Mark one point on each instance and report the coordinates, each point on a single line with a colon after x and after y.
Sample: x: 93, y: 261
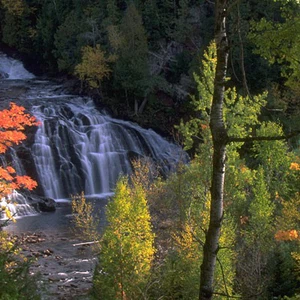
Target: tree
x: 94, y: 66
x: 68, y: 41
x: 14, y: 7
x: 15, y: 280
x: 220, y: 140
x: 278, y: 41
x: 126, y: 247
x: 85, y: 221
x: 131, y: 70
x: 13, y: 123
x: 222, y: 137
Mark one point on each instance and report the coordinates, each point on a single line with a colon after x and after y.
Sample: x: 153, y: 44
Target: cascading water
x: 76, y: 148
x: 13, y: 69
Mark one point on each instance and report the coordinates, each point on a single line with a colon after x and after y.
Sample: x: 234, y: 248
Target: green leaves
x: 280, y: 41
x: 127, y: 247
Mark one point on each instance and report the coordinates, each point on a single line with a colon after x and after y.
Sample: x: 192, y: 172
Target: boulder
x: 3, y: 75
x: 42, y: 204
x: 47, y: 205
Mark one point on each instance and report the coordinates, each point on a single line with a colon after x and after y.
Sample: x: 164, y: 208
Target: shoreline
x: 63, y: 271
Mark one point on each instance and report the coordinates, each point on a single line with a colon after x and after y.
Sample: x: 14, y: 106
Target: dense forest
x: 229, y: 93
x: 141, y: 56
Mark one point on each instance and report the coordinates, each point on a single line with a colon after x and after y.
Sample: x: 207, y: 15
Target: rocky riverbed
x: 64, y: 267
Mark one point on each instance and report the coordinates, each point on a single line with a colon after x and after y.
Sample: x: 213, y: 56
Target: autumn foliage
x: 287, y: 235
x: 13, y: 122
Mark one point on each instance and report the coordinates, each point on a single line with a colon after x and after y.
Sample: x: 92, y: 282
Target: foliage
x: 240, y: 113
x: 249, y: 187
x: 13, y: 123
x: 131, y: 70
x: 127, y: 248
x: 84, y: 218
x: 181, y: 268
x: 278, y: 41
x: 94, y: 66
x: 68, y: 42
x: 15, y: 281
x: 13, y: 7
x: 17, y: 30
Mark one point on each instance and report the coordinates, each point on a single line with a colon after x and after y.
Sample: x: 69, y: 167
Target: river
x: 76, y: 148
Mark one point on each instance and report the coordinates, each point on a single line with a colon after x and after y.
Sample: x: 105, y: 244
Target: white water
x: 17, y: 205
x: 13, y: 68
x: 77, y: 148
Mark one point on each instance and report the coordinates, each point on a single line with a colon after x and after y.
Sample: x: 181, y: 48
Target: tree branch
x: 263, y: 138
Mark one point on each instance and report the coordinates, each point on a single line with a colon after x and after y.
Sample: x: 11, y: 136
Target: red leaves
x: 13, y: 122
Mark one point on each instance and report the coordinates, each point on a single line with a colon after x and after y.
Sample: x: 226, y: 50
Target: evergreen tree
x: 131, y: 70
x: 68, y: 42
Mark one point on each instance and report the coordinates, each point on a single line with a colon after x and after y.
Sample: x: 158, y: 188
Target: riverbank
x: 63, y: 266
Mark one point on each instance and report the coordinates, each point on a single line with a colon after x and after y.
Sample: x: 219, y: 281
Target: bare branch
x: 263, y: 138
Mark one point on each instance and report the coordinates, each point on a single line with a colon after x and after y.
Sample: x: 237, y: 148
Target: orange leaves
x: 10, y: 181
x: 26, y: 182
x: 287, y: 235
x: 15, y: 118
x: 295, y: 166
x: 13, y: 122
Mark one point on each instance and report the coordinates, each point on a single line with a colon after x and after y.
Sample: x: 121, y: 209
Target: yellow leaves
x: 94, y: 66
x: 295, y: 166
x: 84, y: 218
x: 9, y: 214
x: 127, y: 244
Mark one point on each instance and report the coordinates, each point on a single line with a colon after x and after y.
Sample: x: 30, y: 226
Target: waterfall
x: 78, y: 148
x: 13, y: 69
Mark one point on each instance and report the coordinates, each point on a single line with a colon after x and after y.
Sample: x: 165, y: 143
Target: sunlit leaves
x: 279, y: 42
x: 287, y: 235
x: 84, y: 218
x: 12, y: 125
x: 94, y: 66
x: 240, y: 112
x: 295, y: 166
x: 127, y: 249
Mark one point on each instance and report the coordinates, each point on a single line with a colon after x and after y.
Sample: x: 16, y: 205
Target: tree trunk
x: 220, y: 140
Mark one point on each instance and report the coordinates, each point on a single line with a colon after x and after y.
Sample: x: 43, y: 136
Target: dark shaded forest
x: 140, y: 57
x: 168, y: 65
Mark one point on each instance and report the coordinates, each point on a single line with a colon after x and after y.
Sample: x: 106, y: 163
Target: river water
x: 76, y: 147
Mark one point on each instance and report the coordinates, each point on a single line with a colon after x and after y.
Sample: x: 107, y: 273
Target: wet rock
x: 42, y: 204
x: 47, y: 252
x: 3, y: 75
x: 55, y: 278
x: 47, y: 205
